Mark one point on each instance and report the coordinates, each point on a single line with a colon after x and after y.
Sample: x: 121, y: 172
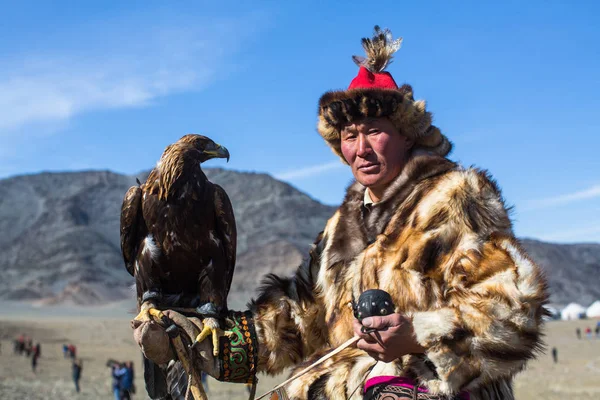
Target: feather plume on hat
x: 379, y: 49
x: 374, y: 93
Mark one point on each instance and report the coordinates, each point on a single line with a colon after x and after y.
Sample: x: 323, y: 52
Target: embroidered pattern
x: 392, y: 392
x: 240, y: 351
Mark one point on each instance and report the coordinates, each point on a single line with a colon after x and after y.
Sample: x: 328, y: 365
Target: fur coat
x: 441, y: 243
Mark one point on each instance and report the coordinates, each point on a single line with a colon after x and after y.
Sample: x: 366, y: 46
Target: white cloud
x: 568, y: 198
x: 309, y: 171
x: 55, y: 95
x: 121, y: 71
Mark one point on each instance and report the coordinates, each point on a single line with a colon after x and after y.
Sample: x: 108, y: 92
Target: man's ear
x: 410, y: 143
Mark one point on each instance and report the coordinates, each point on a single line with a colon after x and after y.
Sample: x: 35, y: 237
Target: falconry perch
x: 178, y: 239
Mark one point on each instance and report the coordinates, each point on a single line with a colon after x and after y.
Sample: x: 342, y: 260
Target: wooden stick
x: 326, y: 357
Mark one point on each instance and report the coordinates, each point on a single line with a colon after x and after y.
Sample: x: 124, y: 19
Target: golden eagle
x: 178, y: 239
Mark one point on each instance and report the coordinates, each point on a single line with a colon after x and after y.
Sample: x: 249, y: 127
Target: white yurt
x: 572, y: 311
x: 593, y: 311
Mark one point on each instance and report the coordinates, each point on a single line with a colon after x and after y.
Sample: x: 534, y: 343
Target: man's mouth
x: 370, y: 167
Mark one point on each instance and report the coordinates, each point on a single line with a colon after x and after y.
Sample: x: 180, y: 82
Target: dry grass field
x: 100, y: 336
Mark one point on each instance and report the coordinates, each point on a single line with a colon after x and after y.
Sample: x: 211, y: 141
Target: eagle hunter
x: 178, y: 238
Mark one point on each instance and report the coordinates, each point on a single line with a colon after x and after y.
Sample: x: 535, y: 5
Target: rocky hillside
x: 572, y: 269
x: 60, y: 233
x: 60, y: 238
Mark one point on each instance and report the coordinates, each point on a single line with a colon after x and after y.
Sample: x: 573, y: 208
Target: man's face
x: 375, y: 150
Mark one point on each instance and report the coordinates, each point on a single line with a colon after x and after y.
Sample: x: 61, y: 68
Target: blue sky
x: 108, y: 85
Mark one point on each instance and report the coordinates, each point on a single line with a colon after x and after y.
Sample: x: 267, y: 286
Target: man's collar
x: 419, y: 166
x: 368, y: 201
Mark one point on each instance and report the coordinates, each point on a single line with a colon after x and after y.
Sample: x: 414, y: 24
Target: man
x: 435, y: 236
x: 37, y: 352
x: 126, y: 381
x: 77, y: 367
x: 118, y: 371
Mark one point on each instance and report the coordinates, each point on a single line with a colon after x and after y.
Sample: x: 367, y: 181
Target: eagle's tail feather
x: 177, y: 380
x: 156, y: 381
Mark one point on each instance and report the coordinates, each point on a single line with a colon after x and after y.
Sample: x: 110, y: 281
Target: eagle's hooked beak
x: 217, y: 151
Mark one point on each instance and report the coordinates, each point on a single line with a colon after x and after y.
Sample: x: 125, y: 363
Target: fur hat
x: 374, y: 93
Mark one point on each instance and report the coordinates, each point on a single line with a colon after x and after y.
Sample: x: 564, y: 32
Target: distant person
x: 35, y: 354
x: 126, y: 382
x: 116, y: 372
x: 19, y: 345
x: 555, y: 355
x: 72, y: 351
x: 578, y: 332
x: 22, y: 343
x: 65, y: 350
x: 588, y: 332
x: 77, y: 366
x: 597, y: 330
x: 132, y: 370
x: 28, y: 346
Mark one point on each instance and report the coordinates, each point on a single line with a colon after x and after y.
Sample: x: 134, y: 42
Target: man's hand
x: 394, y: 337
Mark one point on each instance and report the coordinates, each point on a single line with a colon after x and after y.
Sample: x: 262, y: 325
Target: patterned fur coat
x: 441, y: 243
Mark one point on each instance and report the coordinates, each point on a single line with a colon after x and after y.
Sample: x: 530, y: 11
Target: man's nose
x: 364, y: 147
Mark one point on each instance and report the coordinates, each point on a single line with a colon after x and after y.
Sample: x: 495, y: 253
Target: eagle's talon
x: 143, y: 316
x: 157, y: 313
x: 148, y: 311
x: 216, y: 333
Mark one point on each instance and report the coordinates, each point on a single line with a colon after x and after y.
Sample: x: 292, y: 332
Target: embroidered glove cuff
x: 239, y: 351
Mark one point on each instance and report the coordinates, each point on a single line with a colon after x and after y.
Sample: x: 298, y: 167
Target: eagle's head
x: 184, y: 155
x: 202, y: 148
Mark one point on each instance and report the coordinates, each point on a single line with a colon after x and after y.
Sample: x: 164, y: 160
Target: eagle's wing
x: 131, y: 216
x: 226, y: 230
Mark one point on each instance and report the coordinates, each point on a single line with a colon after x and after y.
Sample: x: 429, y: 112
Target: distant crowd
x: 588, y: 331
x: 122, y: 373
x: 69, y: 351
x: 23, y: 345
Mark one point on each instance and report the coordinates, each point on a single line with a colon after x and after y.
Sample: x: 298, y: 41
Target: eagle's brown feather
x: 227, y: 230
x: 129, y: 225
x: 178, y: 234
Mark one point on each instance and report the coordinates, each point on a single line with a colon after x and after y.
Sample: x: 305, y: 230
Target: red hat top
x: 379, y: 49
x: 368, y: 79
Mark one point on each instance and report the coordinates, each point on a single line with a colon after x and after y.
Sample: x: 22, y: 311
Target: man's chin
x: 368, y: 181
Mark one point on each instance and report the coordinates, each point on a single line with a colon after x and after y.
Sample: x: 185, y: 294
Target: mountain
x: 60, y: 238
x: 573, y: 270
x: 60, y: 233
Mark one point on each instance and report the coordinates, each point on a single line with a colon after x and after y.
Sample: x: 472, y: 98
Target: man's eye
x: 372, y: 131
x: 350, y: 137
